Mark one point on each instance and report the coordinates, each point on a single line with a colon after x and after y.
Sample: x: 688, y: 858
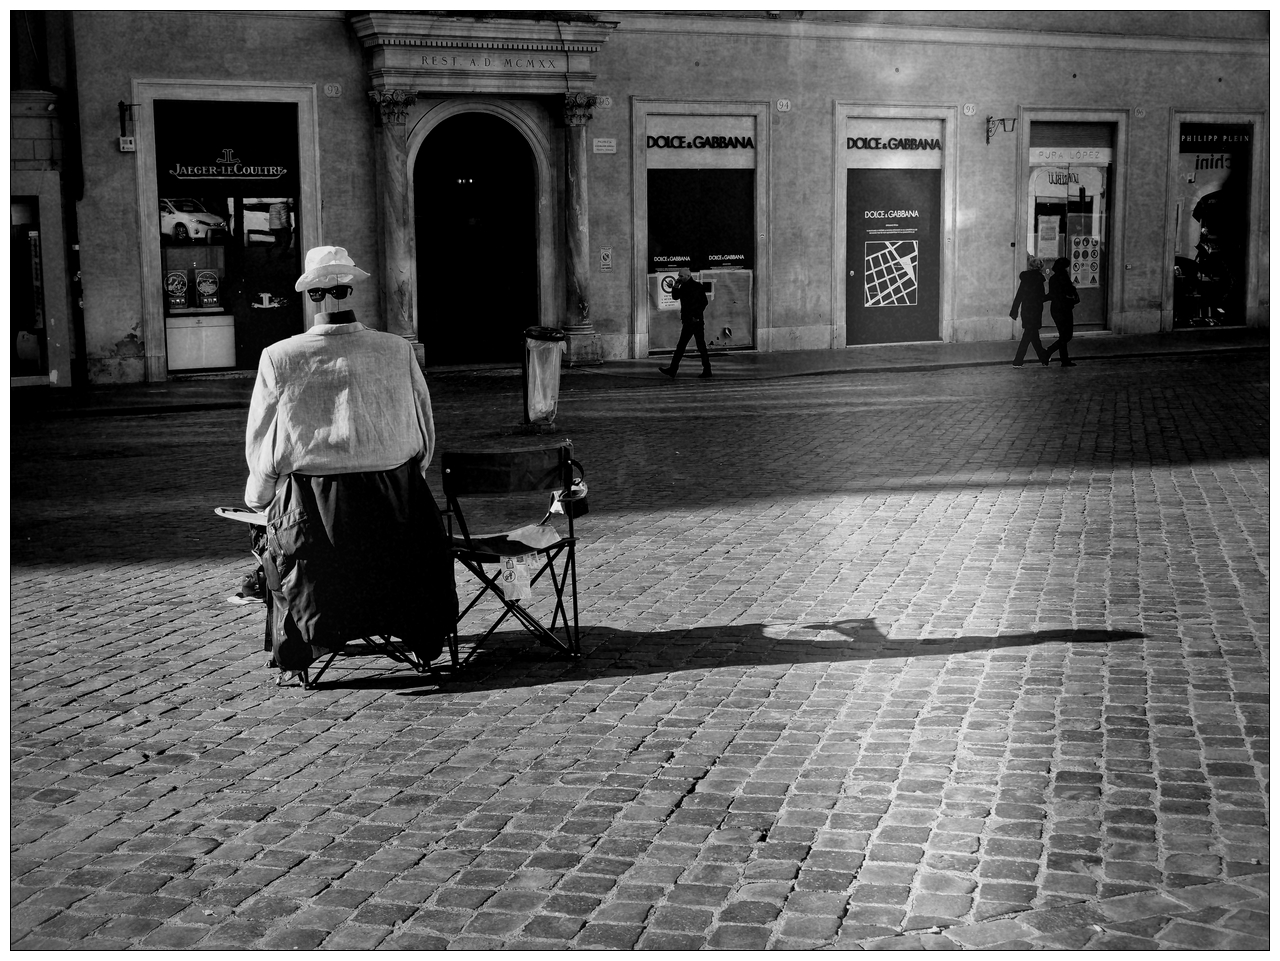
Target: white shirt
x: 337, y: 399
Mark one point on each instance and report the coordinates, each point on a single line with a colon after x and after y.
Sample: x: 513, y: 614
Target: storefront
x: 829, y: 180
x: 1068, y: 203
x: 227, y: 205
x: 41, y: 309
x: 699, y: 204
x: 894, y: 196
x: 893, y: 249
x: 227, y: 186
x: 1212, y: 236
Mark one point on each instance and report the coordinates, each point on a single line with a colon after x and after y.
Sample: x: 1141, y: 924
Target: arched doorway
x: 475, y: 202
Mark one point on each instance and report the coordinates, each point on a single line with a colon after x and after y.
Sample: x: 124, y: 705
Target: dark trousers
x: 1065, y: 331
x: 1030, y: 336
x: 694, y: 329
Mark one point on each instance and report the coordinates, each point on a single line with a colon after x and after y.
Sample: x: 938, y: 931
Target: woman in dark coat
x: 1030, y: 298
x: 1062, y: 301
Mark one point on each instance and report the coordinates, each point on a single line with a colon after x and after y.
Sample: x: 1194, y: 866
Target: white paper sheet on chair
x: 535, y: 535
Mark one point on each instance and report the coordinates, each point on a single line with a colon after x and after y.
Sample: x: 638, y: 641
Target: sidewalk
x: 233, y: 392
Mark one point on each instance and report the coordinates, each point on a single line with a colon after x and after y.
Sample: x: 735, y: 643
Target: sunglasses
x: 340, y: 292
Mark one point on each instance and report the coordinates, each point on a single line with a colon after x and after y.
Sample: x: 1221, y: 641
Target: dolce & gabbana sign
x: 681, y: 142
x: 892, y: 143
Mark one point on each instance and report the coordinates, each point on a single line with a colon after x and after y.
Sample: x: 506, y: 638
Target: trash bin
x: 542, y: 349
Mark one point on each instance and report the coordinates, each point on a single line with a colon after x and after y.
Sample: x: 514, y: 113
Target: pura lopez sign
x: 1100, y: 156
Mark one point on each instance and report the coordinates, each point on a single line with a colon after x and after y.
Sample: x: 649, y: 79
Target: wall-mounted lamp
x: 1006, y: 124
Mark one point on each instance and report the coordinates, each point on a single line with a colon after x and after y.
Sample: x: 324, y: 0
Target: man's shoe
x: 1068, y: 363
x: 1015, y: 365
x: 252, y: 587
x: 705, y: 373
x: 668, y: 371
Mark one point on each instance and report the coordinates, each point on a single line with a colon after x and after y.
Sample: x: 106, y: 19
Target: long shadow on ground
x: 511, y: 660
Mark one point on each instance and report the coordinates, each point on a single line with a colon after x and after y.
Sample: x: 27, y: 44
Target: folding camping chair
x: 500, y: 474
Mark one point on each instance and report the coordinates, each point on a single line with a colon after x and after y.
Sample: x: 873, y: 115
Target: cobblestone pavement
x: 958, y: 659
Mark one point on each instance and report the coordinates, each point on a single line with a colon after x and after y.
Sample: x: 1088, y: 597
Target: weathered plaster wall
x: 670, y: 57
x: 115, y: 48
x: 703, y: 58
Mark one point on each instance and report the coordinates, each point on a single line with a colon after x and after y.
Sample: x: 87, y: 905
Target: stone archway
x: 525, y: 122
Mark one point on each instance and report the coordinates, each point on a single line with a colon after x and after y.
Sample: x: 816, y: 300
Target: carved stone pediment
x: 459, y: 54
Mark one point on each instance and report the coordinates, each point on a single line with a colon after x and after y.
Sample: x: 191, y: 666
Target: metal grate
x: 1052, y: 133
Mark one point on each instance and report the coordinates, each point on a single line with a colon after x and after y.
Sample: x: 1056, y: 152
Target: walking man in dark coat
x: 1030, y: 298
x: 693, y: 301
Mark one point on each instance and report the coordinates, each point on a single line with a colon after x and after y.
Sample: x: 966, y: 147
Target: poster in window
x: 891, y: 293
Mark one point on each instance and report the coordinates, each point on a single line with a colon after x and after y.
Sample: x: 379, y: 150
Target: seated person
x: 338, y: 442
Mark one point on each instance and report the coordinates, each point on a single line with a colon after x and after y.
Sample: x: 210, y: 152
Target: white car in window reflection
x: 184, y: 218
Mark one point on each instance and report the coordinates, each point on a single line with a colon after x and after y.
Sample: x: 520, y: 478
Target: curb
x: 36, y: 412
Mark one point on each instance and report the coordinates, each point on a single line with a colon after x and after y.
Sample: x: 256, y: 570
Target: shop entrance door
x: 476, y: 195
x: 1071, y: 223
x: 1069, y: 209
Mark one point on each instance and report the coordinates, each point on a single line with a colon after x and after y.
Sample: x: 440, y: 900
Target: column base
x: 584, y: 347
x: 419, y: 352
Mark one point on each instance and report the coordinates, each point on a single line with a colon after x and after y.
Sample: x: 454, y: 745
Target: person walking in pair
x: 1030, y: 300
x: 1062, y: 301
x: 693, y: 301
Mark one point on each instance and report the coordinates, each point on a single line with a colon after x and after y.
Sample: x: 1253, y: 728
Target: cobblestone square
x: 971, y: 658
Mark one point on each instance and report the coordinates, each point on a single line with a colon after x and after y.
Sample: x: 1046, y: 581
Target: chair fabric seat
x: 492, y: 548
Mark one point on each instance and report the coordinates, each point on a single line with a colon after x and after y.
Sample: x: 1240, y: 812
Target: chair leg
x: 512, y: 608
x: 311, y: 683
x: 573, y: 588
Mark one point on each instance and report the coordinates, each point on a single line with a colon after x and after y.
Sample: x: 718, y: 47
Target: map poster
x: 892, y: 256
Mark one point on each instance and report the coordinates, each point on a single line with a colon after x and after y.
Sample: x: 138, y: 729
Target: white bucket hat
x: 327, y: 267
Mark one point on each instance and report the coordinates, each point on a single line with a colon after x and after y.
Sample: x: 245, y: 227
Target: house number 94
x: 784, y: 106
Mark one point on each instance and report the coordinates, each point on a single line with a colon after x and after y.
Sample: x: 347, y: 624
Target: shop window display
x: 229, y: 248
x: 1211, y: 225
x: 27, y: 332
x: 703, y: 220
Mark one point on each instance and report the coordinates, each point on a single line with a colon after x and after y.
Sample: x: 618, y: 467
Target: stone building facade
x: 837, y: 180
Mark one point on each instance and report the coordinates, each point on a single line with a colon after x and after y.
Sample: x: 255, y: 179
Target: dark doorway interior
x: 475, y: 198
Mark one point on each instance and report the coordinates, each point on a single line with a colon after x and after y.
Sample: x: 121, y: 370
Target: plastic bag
x: 544, y: 378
